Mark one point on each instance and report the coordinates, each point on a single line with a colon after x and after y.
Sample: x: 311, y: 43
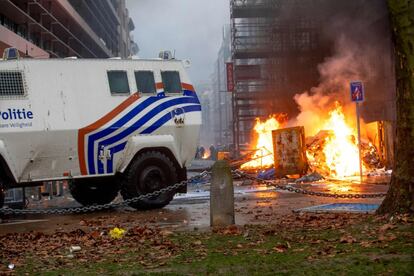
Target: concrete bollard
x: 221, y: 195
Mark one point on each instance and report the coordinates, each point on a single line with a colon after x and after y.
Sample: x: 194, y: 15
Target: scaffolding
x: 276, y: 46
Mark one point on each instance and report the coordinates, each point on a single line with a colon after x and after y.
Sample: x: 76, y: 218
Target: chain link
x: 270, y: 183
x: 94, y: 208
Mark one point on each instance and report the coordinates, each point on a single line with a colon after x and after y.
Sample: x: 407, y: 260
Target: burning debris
x: 263, y: 153
x: 332, y: 152
x: 317, y: 160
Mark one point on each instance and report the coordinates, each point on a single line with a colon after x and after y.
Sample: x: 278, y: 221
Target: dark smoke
x: 361, y: 45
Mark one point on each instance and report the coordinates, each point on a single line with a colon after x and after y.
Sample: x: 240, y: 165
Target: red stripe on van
x: 159, y: 85
x: 187, y: 86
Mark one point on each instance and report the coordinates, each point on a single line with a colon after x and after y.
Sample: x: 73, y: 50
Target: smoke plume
x: 355, y: 57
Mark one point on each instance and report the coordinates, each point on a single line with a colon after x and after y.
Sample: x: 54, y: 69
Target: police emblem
x: 178, y: 116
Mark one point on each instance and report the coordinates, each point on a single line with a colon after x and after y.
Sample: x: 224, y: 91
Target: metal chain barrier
x: 93, y: 208
x: 235, y: 173
x: 304, y: 191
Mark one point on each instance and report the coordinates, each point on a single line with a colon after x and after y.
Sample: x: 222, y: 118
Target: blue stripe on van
x: 159, y: 123
x: 141, y: 121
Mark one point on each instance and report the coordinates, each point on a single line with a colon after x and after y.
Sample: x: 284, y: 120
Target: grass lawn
x: 297, y: 244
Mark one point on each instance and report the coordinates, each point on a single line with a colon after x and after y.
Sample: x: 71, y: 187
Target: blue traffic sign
x: 357, y: 91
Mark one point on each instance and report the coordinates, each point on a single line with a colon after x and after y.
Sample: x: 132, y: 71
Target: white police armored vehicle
x: 105, y: 125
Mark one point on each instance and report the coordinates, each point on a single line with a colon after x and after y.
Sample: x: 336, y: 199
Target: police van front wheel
x: 149, y: 172
x: 94, y: 191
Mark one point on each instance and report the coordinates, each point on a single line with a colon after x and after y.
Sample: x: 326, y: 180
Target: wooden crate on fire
x: 289, y: 149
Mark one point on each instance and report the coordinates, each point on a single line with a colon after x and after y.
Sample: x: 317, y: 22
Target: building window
x: 145, y: 81
x: 12, y: 83
x: 118, y: 82
x: 171, y: 81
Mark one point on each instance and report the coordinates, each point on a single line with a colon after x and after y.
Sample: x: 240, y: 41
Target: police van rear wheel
x: 150, y: 172
x: 94, y: 191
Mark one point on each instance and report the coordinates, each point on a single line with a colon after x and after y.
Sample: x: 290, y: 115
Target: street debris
x: 380, y: 172
x: 11, y: 266
x: 312, y: 177
x: 74, y: 248
x: 117, y: 233
x: 266, y: 174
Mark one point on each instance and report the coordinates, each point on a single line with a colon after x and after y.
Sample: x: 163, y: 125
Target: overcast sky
x: 193, y: 28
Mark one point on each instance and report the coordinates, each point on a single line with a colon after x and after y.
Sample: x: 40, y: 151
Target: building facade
x: 222, y: 99
x: 217, y: 101
x: 63, y: 28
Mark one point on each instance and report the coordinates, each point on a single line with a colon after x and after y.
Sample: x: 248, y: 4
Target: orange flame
x: 341, y: 150
x: 206, y: 154
x: 263, y: 156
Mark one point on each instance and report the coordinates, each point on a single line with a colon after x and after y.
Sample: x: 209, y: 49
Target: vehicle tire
x: 150, y: 171
x: 94, y: 191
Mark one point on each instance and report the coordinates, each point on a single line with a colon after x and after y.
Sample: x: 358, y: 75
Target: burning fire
x: 206, y: 154
x: 340, y: 154
x: 263, y: 156
x: 341, y: 150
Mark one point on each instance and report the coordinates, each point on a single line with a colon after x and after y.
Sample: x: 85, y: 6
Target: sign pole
x: 359, y: 140
x: 357, y: 96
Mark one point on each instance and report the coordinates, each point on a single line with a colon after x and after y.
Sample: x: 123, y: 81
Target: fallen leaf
x: 95, y: 234
x: 197, y: 243
x: 347, y: 239
x: 389, y: 237
x: 365, y: 244
x: 166, y: 233
x: 231, y: 230
x: 386, y: 227
x: 280, y: 248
